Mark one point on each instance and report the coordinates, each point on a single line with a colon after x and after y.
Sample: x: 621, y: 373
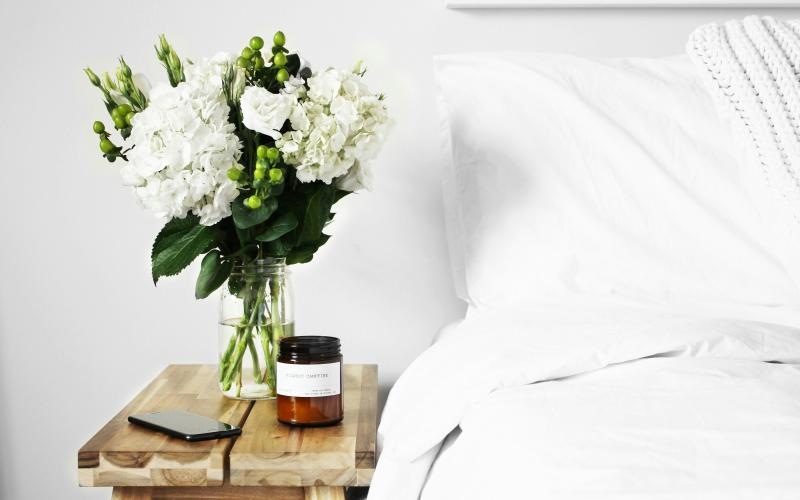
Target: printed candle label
x: 309, y: 381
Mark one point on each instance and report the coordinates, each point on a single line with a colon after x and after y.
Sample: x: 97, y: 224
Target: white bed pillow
x: 566, y: 175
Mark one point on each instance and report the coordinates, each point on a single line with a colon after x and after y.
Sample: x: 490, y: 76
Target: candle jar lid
x: 309, y: 347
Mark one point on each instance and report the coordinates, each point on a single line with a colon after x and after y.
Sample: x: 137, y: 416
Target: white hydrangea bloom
x: 338, y: 128
x: 183, y: 146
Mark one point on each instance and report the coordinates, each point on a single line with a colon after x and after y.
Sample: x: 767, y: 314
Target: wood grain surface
x: 269, y: 453
x: 122, y: 454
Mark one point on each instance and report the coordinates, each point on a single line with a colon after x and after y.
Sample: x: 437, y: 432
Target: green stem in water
x: 276, y: 319
x: 251, y: 346
x: 225, y: 359
x: 244, y: 338
x: 236, y: 365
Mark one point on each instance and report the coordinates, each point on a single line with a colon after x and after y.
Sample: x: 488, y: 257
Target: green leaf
x: 279, y: 247
x: 317, y: 212
x: 178, y: 244
x: 279, y: 227
x: 245, y: 217
x: 305, y: 253
x: 213, y: 273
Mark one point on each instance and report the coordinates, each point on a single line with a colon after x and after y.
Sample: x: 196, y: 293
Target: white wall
x: 82, y: 328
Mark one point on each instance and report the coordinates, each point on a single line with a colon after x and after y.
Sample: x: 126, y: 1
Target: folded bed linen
x: 697, y: 403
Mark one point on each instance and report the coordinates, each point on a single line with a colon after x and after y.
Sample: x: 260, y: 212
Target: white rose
x: 265, y: 112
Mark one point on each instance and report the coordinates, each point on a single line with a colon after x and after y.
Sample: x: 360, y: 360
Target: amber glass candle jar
x: 309, y: 379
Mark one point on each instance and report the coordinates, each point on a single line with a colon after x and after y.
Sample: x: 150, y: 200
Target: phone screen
x: 182, y: 422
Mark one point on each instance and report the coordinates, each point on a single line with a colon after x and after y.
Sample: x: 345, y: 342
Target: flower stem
x: 276, y: 318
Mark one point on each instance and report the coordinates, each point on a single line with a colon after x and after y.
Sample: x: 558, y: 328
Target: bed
x: 625, y: 235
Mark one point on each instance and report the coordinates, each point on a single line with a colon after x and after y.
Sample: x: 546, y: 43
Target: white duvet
x: 598, y: 400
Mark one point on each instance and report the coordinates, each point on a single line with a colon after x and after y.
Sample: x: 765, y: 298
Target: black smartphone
x: 185, y: 425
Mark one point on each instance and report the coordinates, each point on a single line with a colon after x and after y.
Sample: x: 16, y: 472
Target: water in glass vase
x: 253, y: 376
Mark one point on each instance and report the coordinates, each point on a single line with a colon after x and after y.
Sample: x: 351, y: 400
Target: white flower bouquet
x: 244, y: 157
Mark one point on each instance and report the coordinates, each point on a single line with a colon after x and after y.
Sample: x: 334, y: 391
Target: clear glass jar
x: 255, y: 313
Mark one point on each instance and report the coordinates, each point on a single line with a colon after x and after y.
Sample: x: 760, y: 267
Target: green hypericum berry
x: 115, y: 113
x: 261, y: 163
x: 273, y: 154
x: 99, y: 128
x: 261, y: 151
x: 120, y: 123
x: 234, y: 174
x: 253, y: 202
x: 279, y: 39
x: 256, y: 43
x: 275, y: 175
x: 282, y: 75
x: 106, y: 146
x: 124, y: 109
x: 279, y: 59
x: 259, y: 173
x: 242, y: 62
x: 247, y: 52
x: 258, y: 62
x: 129, y: 118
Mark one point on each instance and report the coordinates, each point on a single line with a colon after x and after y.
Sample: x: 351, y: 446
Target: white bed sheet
x: 657, y: 428
x: 596, y: 399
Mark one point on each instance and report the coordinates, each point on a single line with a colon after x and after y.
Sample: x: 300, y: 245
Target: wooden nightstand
x: 269, y: 460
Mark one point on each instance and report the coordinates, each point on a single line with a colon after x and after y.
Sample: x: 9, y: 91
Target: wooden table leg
x: 325, y: 493
x: 131, y: 493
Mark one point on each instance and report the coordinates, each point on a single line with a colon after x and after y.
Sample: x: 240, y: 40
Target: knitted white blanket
x: 752, y: 67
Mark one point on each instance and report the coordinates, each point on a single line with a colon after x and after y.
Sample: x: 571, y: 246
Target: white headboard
x: 466, y: 4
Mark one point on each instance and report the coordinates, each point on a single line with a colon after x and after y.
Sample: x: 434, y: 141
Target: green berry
x: 261, y: 163
x: 282, y: 75
x: 253, y: 202
x: 99, y: 128
x: 242, y: 62
x: 257, y: 183
x: 115, y: 113
x: 247, y: 53
x: 119, y: 123
x: 124, y: 109
x: 129, y: 118
x: 279, y: 39
x: 275, y: 175
x: 279, y: 59
x: 258, y: 62
x: 234, y: 174
x: 261, y: 151
x: 107, y: 146
x: 259, y: 173
x: 273, y: 154
x: 256, y: 43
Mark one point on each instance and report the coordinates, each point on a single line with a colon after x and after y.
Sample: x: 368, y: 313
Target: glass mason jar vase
x: 255, y: 313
